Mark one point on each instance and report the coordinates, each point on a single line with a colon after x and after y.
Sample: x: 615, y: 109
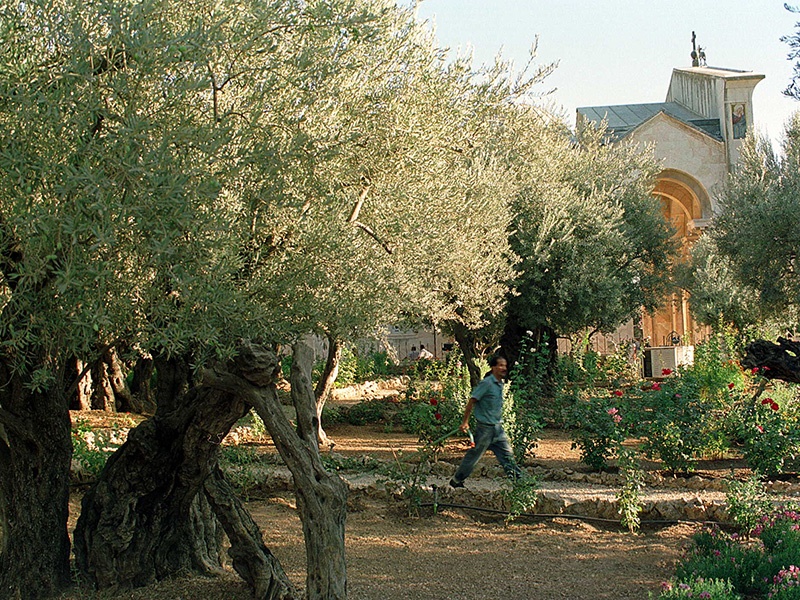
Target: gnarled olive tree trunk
x: 35, y: 454
x: 776, y: 361
x: 466, y: 343
x: 325, y: 385
x: 151, y: 514
x: 321, y: 496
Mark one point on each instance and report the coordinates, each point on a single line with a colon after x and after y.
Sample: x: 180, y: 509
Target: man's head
x: 499, y: 366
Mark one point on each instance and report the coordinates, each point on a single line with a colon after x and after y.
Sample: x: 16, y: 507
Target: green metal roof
x: 624, y: 118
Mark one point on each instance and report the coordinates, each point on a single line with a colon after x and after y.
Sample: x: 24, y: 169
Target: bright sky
x: 623, y: 51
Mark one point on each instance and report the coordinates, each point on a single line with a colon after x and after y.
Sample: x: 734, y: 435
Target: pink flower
x: 656, y: 387
x: 666, y: 586
x: 731, y: 386
x: 666, y: 372
x: 760, y: 428
x: 704, y: 595
x: 618, y: 393
x: 678, y: 396
x: 754, y: 370
x: 612, y: 411
x: 765, y: 368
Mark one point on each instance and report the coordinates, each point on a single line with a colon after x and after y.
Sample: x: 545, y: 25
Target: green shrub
x: 523, y: 421
x: 710, y: 589
x: 599, y: 427
x: 765, y: 430
x: 683, y: 417
x: 367, y: 412
x: 747, y: 503
x: 757, y: 566
x: 90, y: 447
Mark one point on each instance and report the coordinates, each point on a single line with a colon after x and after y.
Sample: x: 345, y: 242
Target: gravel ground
x: 457, y: 554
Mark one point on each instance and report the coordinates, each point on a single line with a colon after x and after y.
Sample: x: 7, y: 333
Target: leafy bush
x: 599, y: 428
x: 747, y: 502
x: 763, y: 565
x: 710, y: 589
x: 432, y: 408
x: 90, y: 447
x: 765, y: 429
x: 520, y: 495
x: 683, y: 417
x: 367, y: 411
x: 715, y: 554
x: 523, y: 421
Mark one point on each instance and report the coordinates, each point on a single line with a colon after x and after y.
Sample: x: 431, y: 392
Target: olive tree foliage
x: 593, y: 242
x: 758, y: 226
x: 718, y: 298
x: 176, y: 177
x: 792, y: 90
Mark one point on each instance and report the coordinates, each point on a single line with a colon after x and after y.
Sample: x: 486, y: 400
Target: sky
x: 623, y: 51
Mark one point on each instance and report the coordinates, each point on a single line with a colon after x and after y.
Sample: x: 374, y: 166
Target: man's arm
x: 467, y: 412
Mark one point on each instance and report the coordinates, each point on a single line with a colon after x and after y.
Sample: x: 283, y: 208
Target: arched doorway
x: 687, y: 206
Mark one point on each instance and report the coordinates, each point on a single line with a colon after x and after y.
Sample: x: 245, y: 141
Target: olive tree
x: 756, y: 229
x: 593, y: 244
x: 198, y: 182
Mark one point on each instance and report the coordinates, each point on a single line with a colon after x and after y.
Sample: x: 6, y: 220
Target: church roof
x: 624, y: 118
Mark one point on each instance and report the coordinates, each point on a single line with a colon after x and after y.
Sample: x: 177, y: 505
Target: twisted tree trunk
x: 466, y: 342
x: 321, y: 496
x: 775, y: 361
x: 325, y: 385
x: 151, y: 513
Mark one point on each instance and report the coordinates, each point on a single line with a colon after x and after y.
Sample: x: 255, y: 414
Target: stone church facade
x: 696, y: 134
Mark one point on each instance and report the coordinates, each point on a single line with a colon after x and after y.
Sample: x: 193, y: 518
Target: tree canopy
x: 757, y: 228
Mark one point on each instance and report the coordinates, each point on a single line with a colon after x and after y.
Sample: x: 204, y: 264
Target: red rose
x: 438, y: 416
x: 760, y: 428
x: 774, y: 406
x: 434, y: 402
x: 754, y: 370
x: 618, y: 393
x: 731, y: 386
x: 666, y: 371
x: 767, y: 401
x: 656, y: 387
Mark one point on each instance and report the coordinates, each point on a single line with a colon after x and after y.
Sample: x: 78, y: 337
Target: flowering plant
x: 710, y: 589
x: 599, y: 428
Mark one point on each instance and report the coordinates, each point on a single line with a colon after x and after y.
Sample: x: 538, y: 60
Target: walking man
x: 486, y: 402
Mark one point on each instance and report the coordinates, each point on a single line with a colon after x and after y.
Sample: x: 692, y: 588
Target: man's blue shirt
x: 488, y: 396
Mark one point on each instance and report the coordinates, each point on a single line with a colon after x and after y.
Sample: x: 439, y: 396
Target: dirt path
x: 456, y: 554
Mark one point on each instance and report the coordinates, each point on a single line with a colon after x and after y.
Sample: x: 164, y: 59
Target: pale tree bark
x: 321, y: 496
x: 102, y: 391
x: 116, y: 380
x: 326, y: 384
x: 84, y: 386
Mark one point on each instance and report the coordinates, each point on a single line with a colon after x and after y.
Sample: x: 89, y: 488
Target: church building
x: 696, y: 133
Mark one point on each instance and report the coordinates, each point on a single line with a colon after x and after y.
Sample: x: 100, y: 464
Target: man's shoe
x: 456, y: 484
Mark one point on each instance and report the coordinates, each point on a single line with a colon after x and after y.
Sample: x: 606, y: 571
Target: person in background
x: 486, y: 402
x: 414, y: 354
x: 425, y: 353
